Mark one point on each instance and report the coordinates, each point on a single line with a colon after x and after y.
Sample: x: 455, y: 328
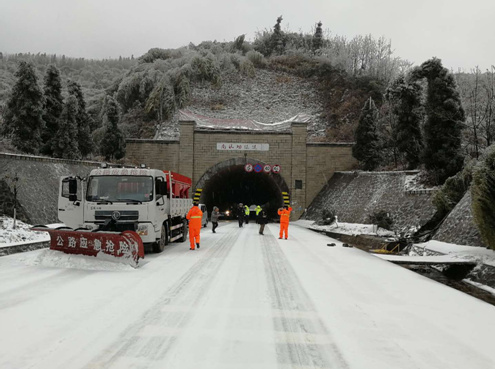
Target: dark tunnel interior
x: 233, y: 185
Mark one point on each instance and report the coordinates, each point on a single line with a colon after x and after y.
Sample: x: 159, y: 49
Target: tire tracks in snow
x: 304, y: 341
x: 148, y: 340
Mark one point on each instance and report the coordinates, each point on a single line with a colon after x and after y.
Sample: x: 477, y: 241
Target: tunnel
x: 228, y: 186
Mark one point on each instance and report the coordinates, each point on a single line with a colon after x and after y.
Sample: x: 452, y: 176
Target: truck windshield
x: 120, y: 189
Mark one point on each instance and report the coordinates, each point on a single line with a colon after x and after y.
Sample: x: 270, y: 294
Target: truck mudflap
x: 126, y: 247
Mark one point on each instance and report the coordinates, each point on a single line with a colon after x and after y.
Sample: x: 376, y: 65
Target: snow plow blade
x: 126, y: 247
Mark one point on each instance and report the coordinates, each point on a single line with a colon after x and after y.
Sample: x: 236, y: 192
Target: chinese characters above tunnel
x: 243, y: 146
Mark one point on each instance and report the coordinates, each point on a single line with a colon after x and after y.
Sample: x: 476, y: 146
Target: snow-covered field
x: 241, y: 301
x: 21, y: 234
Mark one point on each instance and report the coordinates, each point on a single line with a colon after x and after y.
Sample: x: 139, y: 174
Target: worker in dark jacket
x: 262, y: 220
x: 240, y: 214
x: 214, y: 219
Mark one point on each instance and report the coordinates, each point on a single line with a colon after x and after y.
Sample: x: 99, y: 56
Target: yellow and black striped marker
x: 286, y: 198
x: 197, y: 195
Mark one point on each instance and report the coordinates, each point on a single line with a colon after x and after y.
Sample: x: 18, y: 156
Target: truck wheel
x: 184, y: 231
x: 160, y: 245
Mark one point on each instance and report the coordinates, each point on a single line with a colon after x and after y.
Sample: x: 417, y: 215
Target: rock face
x: 37, y: 187
x: 268, y: 97
x: 354, y: 196
x: 459, y: 226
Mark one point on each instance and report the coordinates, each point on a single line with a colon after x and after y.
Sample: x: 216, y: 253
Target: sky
x: 457, y: 31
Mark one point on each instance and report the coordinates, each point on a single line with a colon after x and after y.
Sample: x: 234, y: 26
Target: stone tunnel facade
x: 304, y: 167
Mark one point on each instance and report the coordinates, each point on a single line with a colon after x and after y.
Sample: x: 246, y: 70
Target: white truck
x: 153, y: 203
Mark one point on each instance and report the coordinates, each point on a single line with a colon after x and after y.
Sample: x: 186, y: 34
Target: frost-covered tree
x: 83, y: 119
x: 277, y: 38
x: 65, y: 144
x: 406, y: 102
x: 483, y: 197
x: 318, y: 37
x: 112, y: 145
x: 54, y: 104
x: 24, y: 111
x: 444, y: 123
x: 367, y: 147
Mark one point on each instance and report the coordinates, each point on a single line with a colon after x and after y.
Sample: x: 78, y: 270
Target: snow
x: 21, y: 235
x: 241, y: 301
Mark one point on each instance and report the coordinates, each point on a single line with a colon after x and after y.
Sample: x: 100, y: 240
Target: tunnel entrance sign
x: 276, y: 168
x: 258, y: 168
x: 248, y: 168
x: 267, y: 168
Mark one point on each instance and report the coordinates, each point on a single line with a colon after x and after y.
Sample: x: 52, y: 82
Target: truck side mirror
x: 161, y: 188
x: 72, y: 184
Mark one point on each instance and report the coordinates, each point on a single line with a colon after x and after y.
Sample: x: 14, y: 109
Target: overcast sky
x: 459, y: 32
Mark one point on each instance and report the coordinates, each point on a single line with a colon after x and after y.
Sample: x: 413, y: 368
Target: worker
x: 194, y: 217
x: 262, y: 220
x: 214, y: 218
x: 284, y: 221
x: 258, y: 210
x: 246, y: 213
x: 240, y: 214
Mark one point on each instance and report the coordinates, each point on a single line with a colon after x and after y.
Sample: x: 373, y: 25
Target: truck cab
x: 151, y: 202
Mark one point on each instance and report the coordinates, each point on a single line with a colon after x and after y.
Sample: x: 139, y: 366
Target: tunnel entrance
x: 226, y: 186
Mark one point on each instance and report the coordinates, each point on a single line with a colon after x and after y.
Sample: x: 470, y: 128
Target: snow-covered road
x: 242, y: 301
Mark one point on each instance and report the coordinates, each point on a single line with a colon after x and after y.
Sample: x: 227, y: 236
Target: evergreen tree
x: 367, y: 147
x: 483, y: 197
x: 24, y: 112
x: 277, y: 39
x: 54, y: 105
x: 445, y: 118
x: 406, y: 99
x: 113, y: 143
x: 83, y: 120
x: 318, y: 37
x: 65, y: 143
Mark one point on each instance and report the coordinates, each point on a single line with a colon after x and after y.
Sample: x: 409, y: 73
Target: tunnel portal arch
x: 227, y: 183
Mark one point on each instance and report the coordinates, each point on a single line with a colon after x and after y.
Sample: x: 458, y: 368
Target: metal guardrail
x: 23, y: 247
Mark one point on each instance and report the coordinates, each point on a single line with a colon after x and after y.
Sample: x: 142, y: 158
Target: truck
x: 121, y: 212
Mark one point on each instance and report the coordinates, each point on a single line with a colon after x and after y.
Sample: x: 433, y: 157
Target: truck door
x: 70, y: 202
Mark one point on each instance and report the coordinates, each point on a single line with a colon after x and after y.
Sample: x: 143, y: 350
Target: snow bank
x: 22, y: 234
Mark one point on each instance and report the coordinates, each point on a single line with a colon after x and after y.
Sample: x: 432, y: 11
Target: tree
x: 66, y: 141
x: 445, y: 120
x: 318, y: 37
x: 24, y: 113
x: 483, y: 197
x: 113, y: 143
x: 83, y: 120
x: 54, y: 105
x: 277, y: 39
x: 406, y: 97
x: 367, y: 147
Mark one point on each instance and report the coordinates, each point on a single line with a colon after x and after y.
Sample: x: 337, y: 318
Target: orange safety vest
x: 194, y: 216
x: 284, y: 215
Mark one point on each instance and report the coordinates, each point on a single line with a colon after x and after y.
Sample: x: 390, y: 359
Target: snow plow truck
x: 121, y: 212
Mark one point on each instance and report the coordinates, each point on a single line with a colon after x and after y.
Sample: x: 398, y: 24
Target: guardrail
x: 23, y: 247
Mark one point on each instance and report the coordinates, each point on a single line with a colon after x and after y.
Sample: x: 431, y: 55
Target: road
x: 241, y: 301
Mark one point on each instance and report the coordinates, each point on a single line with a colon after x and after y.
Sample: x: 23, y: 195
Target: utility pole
x: 15, y: 179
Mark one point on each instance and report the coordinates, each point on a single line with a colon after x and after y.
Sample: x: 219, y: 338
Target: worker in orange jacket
x: 284, y: 221
x: 194, y: 217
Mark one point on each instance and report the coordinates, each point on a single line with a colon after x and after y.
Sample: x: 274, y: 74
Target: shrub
x: 483, y: 197
x: 327, y: 217
x: 256, y: 58
x: 382, y: 219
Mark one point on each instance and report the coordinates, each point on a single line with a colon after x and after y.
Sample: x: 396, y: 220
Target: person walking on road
x: 258, y: 210
x: 284, y: 221
x: 214, y: 219
x: 240, y: 214
x: 246, y: 213
x: 194, y: 217
x: 262, y: 220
